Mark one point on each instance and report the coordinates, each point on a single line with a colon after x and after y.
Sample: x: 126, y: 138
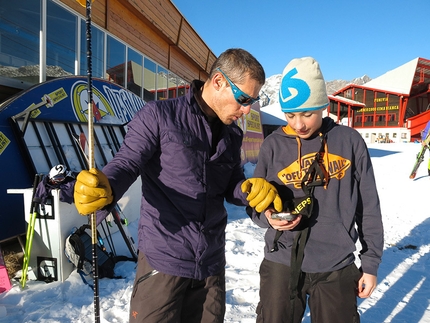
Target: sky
x: 348, y: 39
x: 401, y: 296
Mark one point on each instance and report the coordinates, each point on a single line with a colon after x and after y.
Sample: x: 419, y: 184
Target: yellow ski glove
x: 261, y: 194
x: 92, y: 191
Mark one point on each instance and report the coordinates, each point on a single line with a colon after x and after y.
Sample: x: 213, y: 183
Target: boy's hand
x: 366, y: 285
x: 281, y: 225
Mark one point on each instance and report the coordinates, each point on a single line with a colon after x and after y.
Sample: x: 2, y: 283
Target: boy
x: 324, y: 176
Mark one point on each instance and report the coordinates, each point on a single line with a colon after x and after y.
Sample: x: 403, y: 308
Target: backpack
x: 78, y: 249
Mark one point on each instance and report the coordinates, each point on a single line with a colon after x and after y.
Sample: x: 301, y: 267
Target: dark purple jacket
x: 183, y: 219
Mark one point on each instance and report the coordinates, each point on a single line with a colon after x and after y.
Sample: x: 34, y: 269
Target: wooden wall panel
x: 98, y: 10
x: 192, y: 44
x: 125, y: 25
x: 98, y: 13
x: 211, y: 60
x: 163, y: 15
x: 182, y: 65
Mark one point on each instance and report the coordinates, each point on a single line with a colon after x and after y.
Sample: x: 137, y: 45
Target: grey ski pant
x: 161, y: 298
x: 331, y: 296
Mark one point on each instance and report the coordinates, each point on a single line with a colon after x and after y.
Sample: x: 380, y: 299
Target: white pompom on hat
x: 302, y: 86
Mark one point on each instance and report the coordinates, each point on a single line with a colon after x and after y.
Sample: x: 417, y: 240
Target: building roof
x: 406, y: 79
x: 345, y: 100
x: 398, y: 80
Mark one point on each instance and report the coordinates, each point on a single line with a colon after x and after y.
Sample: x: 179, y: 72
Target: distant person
x: 324, y: 176
x: 425, y: 142
x: 187, y: 152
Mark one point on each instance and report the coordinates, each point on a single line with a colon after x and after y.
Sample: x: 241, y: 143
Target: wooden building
x: 146, y: 46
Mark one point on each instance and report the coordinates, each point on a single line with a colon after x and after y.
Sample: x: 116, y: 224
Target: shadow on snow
x: 402, y: 294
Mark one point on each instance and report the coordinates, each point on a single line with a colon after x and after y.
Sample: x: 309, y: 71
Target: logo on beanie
x: 293, y: 91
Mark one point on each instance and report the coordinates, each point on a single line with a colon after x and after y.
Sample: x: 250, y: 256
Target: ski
x: 118, y: 216
x: 122, y: 223
x: 30, y: 230
x: 420, y: 157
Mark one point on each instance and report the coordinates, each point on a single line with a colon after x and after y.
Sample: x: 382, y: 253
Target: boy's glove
x: 261, y: 194
x: 92, y: 191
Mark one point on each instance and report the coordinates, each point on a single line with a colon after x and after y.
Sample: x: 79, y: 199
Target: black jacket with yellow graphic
x: 346, y: 209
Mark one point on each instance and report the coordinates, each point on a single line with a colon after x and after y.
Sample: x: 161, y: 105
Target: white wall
x: 395, y: 135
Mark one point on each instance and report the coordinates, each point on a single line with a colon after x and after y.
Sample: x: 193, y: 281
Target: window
x: 348, y: 94
x: 134, y: 72
x: 66, y: 51
x: 60, y: 51
x: 19, y: 39
x: 183, y: 87
x: 162, y: 83
x: 173, y: 85
x: 358, y: 95
x: 368, y: 98
x: 115, y: 61
x: 97, y: 49
x: 149, y: 80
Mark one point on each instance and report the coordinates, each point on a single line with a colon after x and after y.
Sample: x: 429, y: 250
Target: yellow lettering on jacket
x: 302, y: 205
x: 291, y: 175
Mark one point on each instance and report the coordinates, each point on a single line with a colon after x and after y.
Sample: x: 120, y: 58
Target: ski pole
x: 30, y: 231
x: 91, y: 158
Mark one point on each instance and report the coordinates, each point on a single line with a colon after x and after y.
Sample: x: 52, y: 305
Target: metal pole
x: 91, y: 161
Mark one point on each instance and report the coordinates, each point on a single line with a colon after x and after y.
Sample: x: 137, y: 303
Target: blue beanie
x: 302, y: 86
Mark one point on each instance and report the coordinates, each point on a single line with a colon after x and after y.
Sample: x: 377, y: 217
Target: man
x: 324, y: 176
x: 187, y: 152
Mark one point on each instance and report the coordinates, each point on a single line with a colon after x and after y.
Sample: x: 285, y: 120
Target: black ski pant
x: 161, y: 298
x: 331, y: 296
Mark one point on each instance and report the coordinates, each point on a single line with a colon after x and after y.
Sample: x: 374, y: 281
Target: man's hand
x: 92, y: 191
x: 366, y: 285
x: 261, y: 194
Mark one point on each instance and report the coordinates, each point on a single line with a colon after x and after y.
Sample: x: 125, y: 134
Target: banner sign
x: 61, y: 100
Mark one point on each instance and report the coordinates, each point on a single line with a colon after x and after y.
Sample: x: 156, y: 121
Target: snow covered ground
x: 402, y: 294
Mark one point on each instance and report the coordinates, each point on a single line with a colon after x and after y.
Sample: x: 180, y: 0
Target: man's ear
x: 218, y: 81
